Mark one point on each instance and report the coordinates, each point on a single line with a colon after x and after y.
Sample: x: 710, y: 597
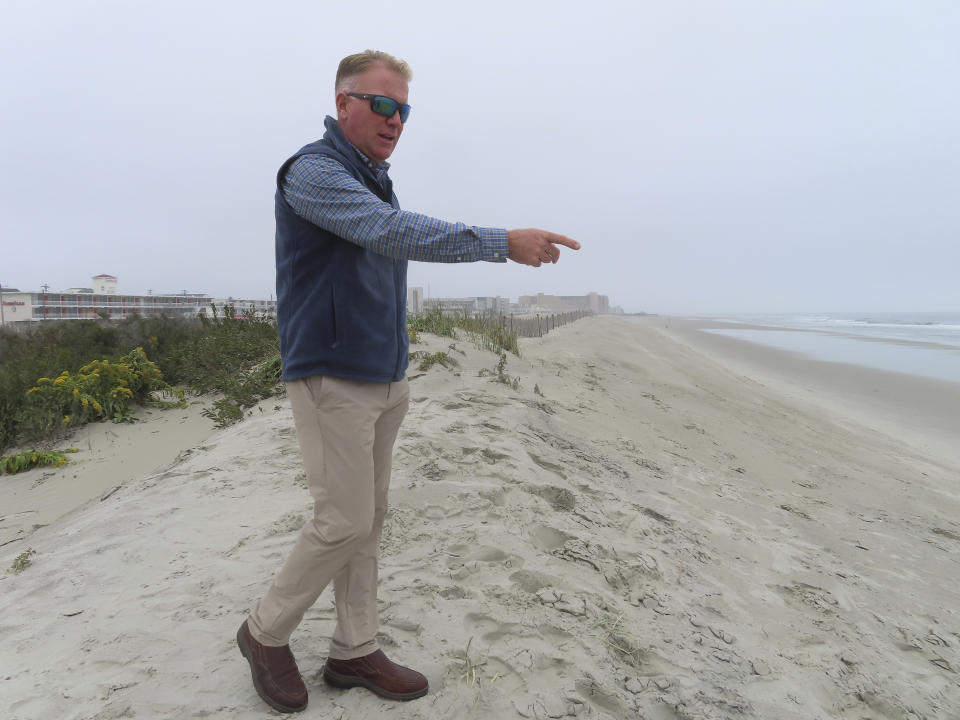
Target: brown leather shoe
x: 377, y: 673
x: 275, y: 673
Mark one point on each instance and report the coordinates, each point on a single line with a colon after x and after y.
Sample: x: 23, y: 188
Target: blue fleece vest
x: 341, y: 309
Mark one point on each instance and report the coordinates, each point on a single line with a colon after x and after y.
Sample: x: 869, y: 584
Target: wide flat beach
x: 658, y: 523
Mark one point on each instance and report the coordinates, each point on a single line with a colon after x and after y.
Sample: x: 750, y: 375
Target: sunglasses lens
x: 383, y: 106
x: 388, y: 106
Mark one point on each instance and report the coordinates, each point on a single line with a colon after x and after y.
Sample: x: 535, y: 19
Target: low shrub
x: 205, y: 354
x: 244, y: 390
x: 100, y: 390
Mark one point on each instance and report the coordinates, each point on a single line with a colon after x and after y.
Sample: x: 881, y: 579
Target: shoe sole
x: 345, y: 682
x: 245, y: 650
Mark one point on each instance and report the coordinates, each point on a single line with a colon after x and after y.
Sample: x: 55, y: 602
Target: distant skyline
x: 122, y: 291
x: 712, y: 157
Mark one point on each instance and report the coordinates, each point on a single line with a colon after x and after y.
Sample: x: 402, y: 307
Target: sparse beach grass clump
x: 428, y: 360
x: 487, y: 332
x: 433, y: 322
x: 29, y: 459
x: 501, y: 375
x: 21, y: 562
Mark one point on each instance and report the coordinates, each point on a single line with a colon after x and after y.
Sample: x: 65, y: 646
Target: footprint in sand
x: 801, y: 595
x: 560, y: 499
x: 434, y: 512
x: 466, y: 560
x: 547, y: 465
x: 489, y: 630
x: 530, y: 580
x: 547, y: 538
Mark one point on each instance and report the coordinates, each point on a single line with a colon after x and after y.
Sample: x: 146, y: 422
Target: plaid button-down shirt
x: 322, y: 191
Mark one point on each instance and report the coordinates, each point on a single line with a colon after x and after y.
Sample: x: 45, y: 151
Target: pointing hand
x: 534, y: 247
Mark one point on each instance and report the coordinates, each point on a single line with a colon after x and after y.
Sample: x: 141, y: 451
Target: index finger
x: 563, y: 240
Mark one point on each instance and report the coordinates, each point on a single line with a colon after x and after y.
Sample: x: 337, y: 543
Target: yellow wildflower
x: 32, y: 390
x: 42, y: 380
x: 66, y: 419
x: 76, y: 393
x: 85, y: 402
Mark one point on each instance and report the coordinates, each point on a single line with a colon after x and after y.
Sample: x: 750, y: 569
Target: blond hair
x: 358, y: 63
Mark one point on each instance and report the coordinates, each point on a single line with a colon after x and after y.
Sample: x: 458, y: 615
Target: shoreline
x: 720, y: 324
x: 902, y: 405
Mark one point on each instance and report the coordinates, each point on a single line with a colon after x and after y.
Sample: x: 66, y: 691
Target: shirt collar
x: 378, y: 169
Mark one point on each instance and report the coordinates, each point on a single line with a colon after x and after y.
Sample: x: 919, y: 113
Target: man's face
x: 374, y: 135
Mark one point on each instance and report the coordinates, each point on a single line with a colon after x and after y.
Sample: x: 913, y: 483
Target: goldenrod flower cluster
x: 100, y: 390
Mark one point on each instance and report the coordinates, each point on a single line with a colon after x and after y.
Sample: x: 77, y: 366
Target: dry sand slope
x: 652, y: 537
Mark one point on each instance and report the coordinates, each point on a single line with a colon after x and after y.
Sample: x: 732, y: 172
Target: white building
x: 599, y: 304
x: 105, y: 284
x: 103, y: 301
x: 469, y: 305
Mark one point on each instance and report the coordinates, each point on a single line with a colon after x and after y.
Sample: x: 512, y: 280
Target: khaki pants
x: 346, y: 430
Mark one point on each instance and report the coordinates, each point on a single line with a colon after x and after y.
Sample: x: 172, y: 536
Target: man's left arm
x: 320, y: 190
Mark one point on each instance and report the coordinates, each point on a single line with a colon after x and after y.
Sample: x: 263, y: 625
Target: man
x: 342, y: 247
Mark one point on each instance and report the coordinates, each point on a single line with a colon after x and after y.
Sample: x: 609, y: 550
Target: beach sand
x: 655, y: 524
x: 109, y: 454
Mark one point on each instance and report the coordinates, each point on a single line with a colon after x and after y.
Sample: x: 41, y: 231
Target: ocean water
x: 925, y: 344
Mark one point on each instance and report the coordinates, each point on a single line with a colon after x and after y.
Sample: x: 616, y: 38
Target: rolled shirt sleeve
x: 323, y: 192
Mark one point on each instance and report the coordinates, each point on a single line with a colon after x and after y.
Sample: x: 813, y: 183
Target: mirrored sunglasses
x: 383, y: 105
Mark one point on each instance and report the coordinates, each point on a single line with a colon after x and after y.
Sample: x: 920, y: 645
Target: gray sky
x: 712, y: 156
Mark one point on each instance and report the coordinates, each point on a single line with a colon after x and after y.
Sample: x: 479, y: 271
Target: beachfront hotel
x: 102, y: 300
x: 594, y: 302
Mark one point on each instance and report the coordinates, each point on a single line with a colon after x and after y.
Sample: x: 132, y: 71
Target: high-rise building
x: 415, y: 300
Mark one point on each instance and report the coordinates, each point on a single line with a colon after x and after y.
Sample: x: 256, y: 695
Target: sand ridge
x: 649, y: 534
x: 109, y: 454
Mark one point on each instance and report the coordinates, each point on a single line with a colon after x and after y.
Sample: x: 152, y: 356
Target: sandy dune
x: 641, y: 530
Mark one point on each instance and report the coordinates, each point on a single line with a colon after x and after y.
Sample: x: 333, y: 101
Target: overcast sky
x: 712, y: 156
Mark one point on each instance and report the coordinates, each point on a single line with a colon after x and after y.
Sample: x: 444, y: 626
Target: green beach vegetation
x: 29, y: 459
x: 21, y: 562
x: 487, y: 332
x: 58, y: 376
